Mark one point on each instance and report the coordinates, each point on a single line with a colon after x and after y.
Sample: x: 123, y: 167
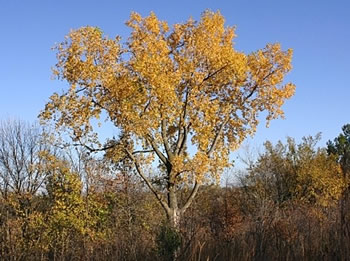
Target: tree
x: 295, y: 172
x: 183, y: 96
x: 67, y: 214
x: 72, y: 216
x: 21, y: 169
x: 22, y: 175
x: 290, y: 195
x: 340, y: 148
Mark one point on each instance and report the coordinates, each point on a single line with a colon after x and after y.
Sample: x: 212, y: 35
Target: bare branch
x: 91, y: 149
x: 148, y: 183
x: 157, y: 151
x: 183, y: 142
x: 191, y: 197
x: 182, y: 136
x: 142, y: 151
x: 165, y: 140
x: 80, y: 90
x: 216, y: 138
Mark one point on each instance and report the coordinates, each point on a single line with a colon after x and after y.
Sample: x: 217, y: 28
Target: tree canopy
x: 166, y: 89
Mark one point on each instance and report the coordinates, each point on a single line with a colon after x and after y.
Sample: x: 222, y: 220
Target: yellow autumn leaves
x: 188, y: 76
x: 297, y: 172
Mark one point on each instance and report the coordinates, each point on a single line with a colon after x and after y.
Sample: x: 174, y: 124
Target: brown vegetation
x: 291, y: 204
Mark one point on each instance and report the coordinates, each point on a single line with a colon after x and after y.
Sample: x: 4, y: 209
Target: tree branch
x: 216, y: 138
x: 183, y: 142
x: 191, y: 197
x: 148, y: 183
x: 182, y: 136
x: 213, y: 74
x: 157, y: 151
x: 142, y: 151
x: 165, y: 141
x: 91, y: 149
x: 256, y: 86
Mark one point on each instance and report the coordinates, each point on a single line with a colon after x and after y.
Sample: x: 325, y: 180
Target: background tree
x: 22, y: 175
x: 287, y: 208
x: 295, y: 172
x: 290, y: 190
x: 340, y: 148
x: 21, y: 145
x: 67, y: 217
x: 183, y: 95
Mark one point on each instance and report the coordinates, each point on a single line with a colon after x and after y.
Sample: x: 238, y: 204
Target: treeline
x: 291, y: 203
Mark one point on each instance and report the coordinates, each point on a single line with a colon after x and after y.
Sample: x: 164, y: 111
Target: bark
x: 174, y: 217
x: 173, y: 214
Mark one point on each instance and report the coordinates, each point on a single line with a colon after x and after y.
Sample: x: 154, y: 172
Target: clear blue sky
x: 317, y: 30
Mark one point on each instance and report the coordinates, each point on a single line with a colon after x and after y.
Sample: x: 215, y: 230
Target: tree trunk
x: 174, y: 219
x: 172, y: 238
x: 173, y: 212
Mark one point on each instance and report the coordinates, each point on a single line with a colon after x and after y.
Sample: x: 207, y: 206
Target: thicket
x: 58, y: 204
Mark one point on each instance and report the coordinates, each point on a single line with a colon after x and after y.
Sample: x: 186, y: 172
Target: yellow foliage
x: 298, y: 172
x: 166, y: 85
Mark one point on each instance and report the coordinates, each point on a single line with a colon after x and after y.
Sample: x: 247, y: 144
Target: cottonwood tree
x: 182, y: 96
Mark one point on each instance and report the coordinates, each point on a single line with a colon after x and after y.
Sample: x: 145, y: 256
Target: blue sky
x: 318, y: 31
